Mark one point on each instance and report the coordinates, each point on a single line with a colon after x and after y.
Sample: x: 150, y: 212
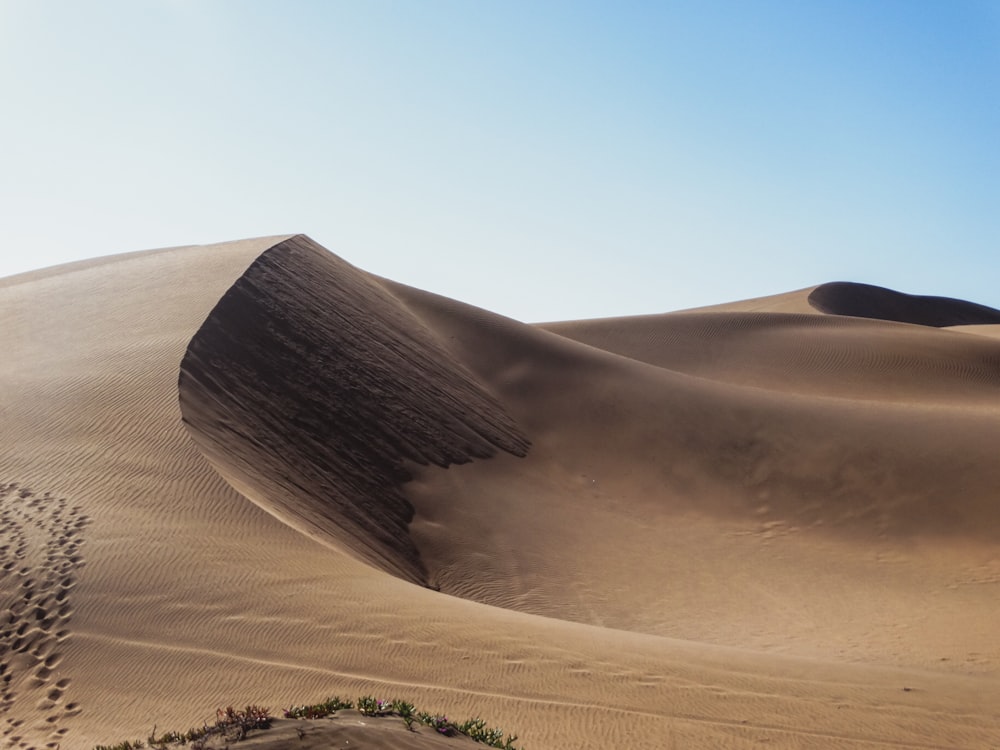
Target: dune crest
x: 869, y: 301
x: 310, y: 386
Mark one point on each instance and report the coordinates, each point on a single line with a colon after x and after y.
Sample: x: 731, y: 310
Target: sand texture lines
x: 772, y: 522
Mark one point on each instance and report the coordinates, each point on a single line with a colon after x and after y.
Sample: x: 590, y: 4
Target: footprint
x: 40, y: 540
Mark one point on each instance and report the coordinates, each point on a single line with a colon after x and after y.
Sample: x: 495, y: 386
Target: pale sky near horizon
x: 545, y: 160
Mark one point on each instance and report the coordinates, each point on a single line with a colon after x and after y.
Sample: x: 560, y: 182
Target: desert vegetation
x: 232, y: 725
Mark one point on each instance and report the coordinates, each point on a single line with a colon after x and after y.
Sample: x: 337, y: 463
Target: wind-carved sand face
x: 310, y: 386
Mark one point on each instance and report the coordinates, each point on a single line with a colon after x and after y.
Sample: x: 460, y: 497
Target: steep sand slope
x: 820, y: 554
x: 309, y: 385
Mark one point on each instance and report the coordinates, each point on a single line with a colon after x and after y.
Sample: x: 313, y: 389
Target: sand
x: 254, y: 473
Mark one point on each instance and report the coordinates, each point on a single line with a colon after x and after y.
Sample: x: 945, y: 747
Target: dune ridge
x: 870, y: 301
x: 309, y: 387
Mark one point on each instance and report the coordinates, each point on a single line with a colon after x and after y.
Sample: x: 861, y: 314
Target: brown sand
x: 252, y: 473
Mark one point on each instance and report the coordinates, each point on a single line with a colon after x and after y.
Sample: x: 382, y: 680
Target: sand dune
x: 253, y: 472
x: 309, y: 385
x: 867, y: 301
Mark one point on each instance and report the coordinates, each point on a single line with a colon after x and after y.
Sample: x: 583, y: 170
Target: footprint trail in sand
x: 40, y: 539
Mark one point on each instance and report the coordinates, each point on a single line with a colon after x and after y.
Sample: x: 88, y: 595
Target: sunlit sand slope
x: 797, y: 483
x: 831, y: 356
x: 674, y: 531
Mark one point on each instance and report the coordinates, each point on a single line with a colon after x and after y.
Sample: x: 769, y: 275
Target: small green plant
x: 126, y: 745
x: 230, y: 723
x: 318, y: 710
x: 235, y: 724
x: 440, y: 724
x: 404, y: 711
x: 176, y: 738
x: 477, y: 730
x: 369, y: 706
x: 167, y: 738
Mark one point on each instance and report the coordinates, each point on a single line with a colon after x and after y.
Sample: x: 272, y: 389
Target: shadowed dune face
x: 868, y: 301
x: 309, y: 387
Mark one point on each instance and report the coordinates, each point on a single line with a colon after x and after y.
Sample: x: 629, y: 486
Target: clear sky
x: 546, y: 160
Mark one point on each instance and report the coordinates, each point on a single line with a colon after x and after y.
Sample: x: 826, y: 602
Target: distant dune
x: 867, y: 301
x: 254, y: 473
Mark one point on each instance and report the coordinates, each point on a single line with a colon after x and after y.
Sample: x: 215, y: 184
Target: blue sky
x: 545, y: 160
